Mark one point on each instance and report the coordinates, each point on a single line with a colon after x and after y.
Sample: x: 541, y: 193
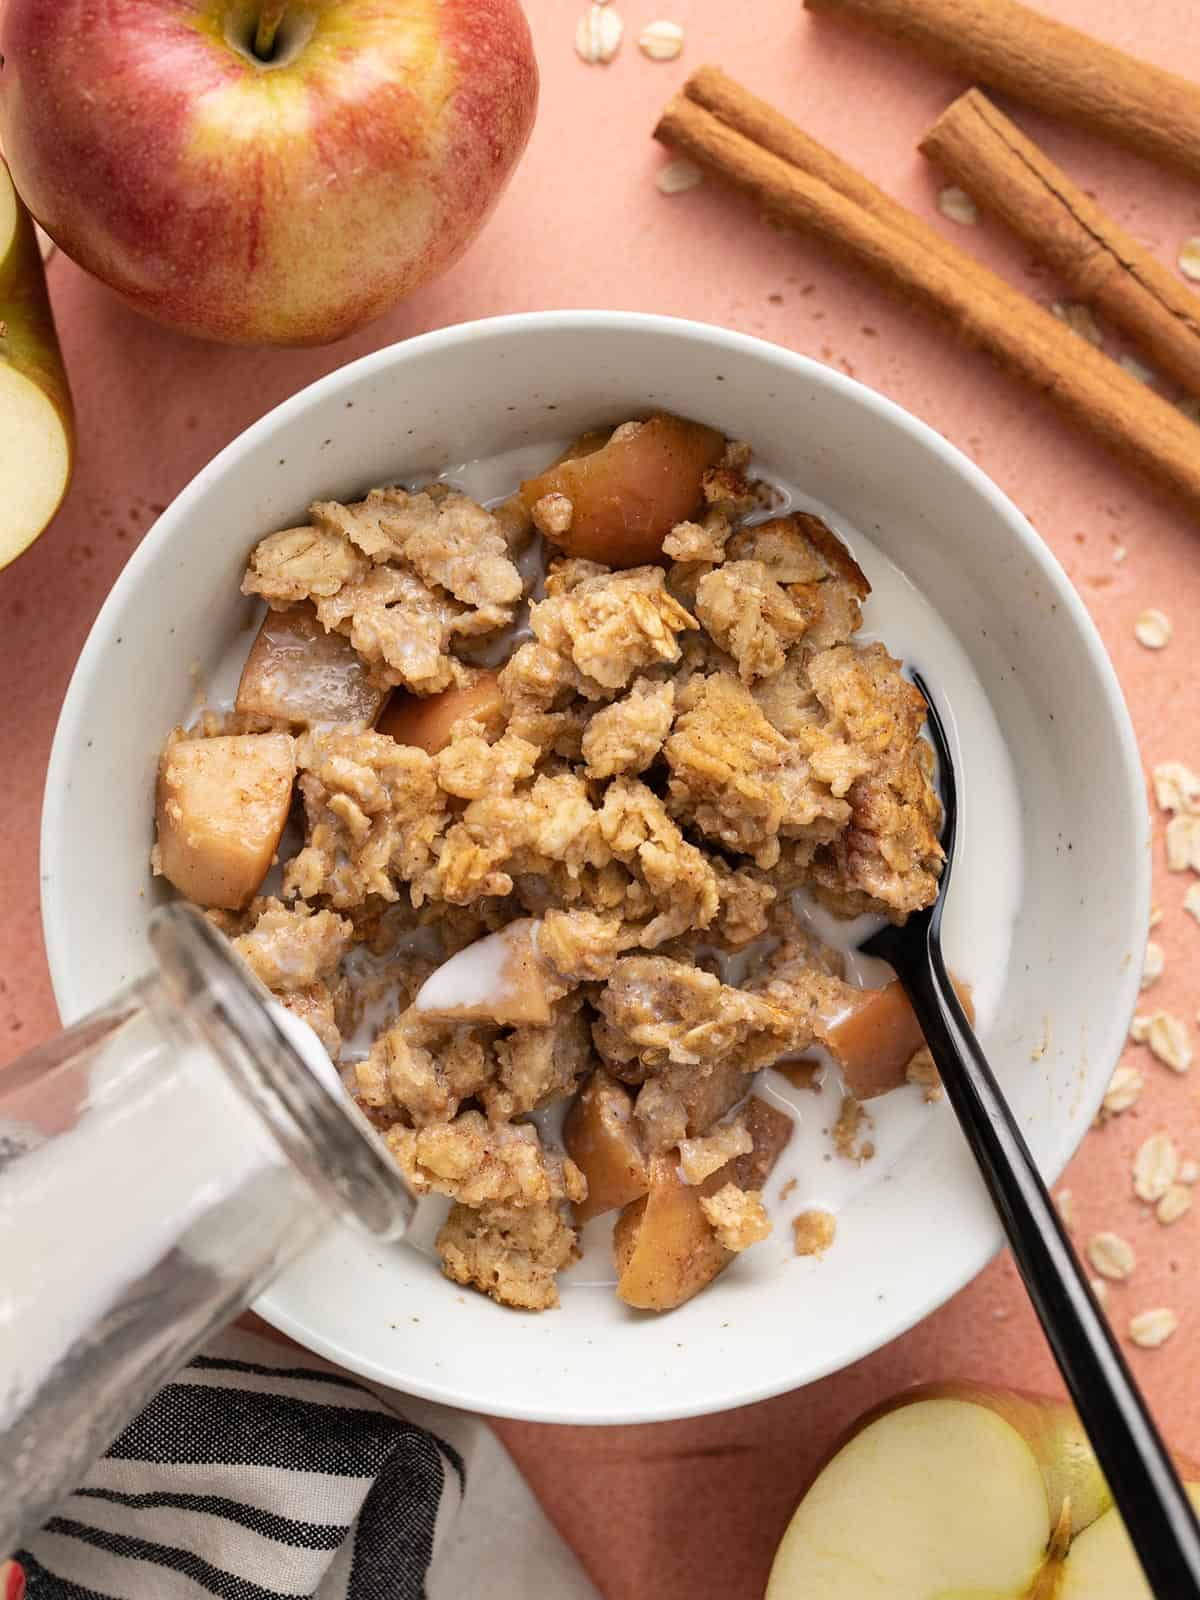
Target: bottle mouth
x: 320, y: 1129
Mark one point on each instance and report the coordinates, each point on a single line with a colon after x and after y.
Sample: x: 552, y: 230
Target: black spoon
x: 1144, y: 1484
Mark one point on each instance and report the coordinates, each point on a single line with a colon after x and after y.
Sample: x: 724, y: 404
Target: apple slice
x: 939, y: 1499
x: 1101, y: 1565
x: 37, y: 436
x: 960, y: 1493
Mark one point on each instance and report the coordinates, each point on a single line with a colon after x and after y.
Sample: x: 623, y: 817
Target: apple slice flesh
x: 1101, y: 1564
x: 36, y: 426
x: 934, y: 1500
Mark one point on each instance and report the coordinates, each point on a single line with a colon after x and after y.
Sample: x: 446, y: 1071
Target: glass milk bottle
x: 160, y: 1163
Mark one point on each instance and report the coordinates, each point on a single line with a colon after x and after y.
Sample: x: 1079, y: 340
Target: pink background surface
x: 699, y: 1505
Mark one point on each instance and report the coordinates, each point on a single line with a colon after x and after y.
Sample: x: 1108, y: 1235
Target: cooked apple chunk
x: 427, y: 720
x: 298, y: 673
x: 500, y: 978
x: 221, y: 807
x: 877, y: 1036
x: 663, y: 1245
x: 669, y: 1244
x: 626, y: 496
x: 602, y: 1140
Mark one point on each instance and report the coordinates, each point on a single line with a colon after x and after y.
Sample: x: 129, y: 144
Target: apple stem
x: 269, y: 19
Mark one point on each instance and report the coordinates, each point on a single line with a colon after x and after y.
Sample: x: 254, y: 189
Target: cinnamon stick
x: 987, y: 155
x: 1047, y: 64
x: 925, y: 269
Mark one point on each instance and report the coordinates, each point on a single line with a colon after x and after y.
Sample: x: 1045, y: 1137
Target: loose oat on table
x: 1153, y: 629
x: 1174, y: 1204
x: 1100, y: 1289
x: 1149, y: 1329
x: 1065, y: 1202
x: 677, y: 177
x: 587, y: 786
x: 1168, y: 1038
x: 1124, y: 1087
x: 1191, y: 901
x: 1119, y: 553
x: 1155, y: 1166
x: 661, y: 41
x: 1189, y: 1171
x: 1080, y: 320
x: 1112, y: 1256
x: 598, y: 35
x: 1183, y: 843
x: 957, y: 204
x: 1189, y: 259
x: 1152, y: 964
x: 1176, y: 787
x: 1156, y: 916
x: 814, y: 1232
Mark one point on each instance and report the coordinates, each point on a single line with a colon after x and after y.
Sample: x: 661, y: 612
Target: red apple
x: 285, y: 196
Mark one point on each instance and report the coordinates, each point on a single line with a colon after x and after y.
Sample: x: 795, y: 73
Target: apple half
x: 36, y: 424
x: 960, y: 1493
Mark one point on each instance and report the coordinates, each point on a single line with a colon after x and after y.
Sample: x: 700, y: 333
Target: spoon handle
x: 1145, y: 1486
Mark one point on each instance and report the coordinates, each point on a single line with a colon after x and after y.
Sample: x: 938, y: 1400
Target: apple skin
x: 281, y: 202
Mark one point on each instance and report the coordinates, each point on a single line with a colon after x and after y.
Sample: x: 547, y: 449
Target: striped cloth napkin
x: 258, y: 1473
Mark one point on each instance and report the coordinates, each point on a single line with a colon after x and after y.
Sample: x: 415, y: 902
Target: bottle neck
x: 208, y: 995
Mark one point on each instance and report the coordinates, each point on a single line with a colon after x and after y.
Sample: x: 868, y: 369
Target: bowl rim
x: 69, y: 995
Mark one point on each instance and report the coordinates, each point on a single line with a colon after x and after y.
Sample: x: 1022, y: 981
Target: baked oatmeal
x: 553, y: 836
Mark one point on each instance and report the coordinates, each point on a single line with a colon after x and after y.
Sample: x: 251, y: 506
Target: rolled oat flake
x: 598, y: 35
x: 661, y: 41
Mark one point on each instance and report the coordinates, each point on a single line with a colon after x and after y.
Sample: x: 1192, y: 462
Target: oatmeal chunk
x: 480, y: 1163
x: 399, y: 626
x: 699, y: 541
x: 657, y: 1010
x: 612, y: 625
x: 750, y: 616
x: 511, y: 1253
x: 865, y: 694
x: 814, y: 1232
x: 811, y: 562
x: 737, y: 779
x: 581, y: 945
x: 746, y: 898
x: 889, y: 858
x: 627, y: 735
x: 700, y: 1158
x: 536, y: 1065
x: 290, y: 947
x: 552, y: 514
x: 634, y: 824
x: 373, y: 812
x: 302, y: 564
x: 449, y: 541
x: 737, y: 1217
x: 424, y: 1068
x: 319, y: 1006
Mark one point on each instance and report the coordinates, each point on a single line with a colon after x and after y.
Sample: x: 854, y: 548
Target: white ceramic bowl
x: 905, y: 1245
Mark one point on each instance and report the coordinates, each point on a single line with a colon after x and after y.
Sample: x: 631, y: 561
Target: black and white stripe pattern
x: 257, y: 1474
